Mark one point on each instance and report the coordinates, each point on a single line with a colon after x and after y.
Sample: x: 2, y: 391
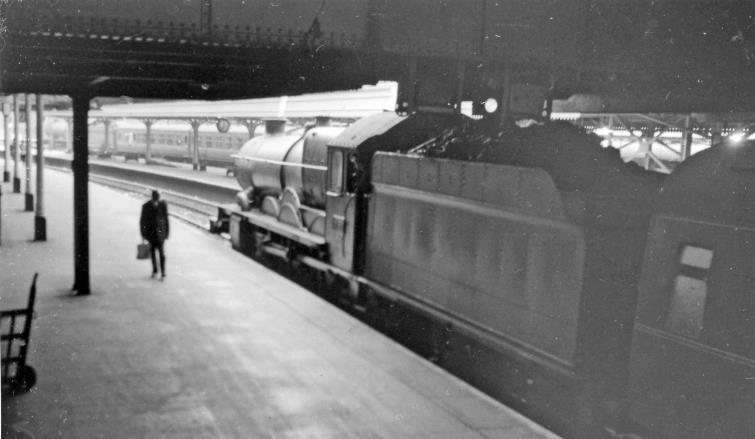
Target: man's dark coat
x: 154, y: 221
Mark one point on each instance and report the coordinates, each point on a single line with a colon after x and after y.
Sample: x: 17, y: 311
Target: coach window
x: 335, y: 183
x: 690, y: 291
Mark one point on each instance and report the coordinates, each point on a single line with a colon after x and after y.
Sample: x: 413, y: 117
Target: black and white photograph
x: 377, y: 219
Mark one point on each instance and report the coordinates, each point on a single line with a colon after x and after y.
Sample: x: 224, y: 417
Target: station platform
x: 222, y: 348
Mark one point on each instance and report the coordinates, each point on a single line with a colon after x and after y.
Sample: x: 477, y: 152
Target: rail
x: 193, y: 209
x: 188, y: 208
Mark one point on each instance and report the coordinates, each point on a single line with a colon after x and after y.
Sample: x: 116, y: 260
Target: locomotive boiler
x: 523, y: 261
x: 283, y: 173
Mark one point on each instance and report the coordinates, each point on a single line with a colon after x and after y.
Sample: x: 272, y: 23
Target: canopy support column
x: 106, y: 146
x: 686, y: 149
x: 148, y: 140
x: 195, y: 144
x: 81, y: 195
x: 40, y: 223
x: 251, y: 126
x: 16, y: 147
x: 6, y: 139
x: 69, y: 135
x: 29, y: 195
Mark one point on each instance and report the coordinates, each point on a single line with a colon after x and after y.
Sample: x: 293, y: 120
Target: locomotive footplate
x: 286, y: 231
x: 221, y: 223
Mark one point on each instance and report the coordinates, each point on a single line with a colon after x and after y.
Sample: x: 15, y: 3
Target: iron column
x: 148, y: 141
x: 81, y: 194
x: 106, y: 150
x: 69, y: 135
x: 40, y: 223
x: 251, y: 126
x: 6, y: 139
x: 686, y: 149
x: 29, y: 195
x: 17, y: 146
x: 195, y: 147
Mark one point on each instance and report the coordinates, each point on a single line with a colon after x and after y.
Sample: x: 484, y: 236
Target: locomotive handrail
x: 278, y: 162
x: 701, y: 347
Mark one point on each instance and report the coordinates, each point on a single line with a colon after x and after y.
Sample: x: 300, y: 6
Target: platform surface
x: 223, y: 348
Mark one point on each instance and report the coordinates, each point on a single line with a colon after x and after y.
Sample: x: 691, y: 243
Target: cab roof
x: 389, y: 131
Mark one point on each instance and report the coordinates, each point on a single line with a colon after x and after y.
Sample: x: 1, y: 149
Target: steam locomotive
x: 594, y: 296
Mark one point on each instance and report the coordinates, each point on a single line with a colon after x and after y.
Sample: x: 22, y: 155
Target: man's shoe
x: 154, y: 273
x: 162, y: 277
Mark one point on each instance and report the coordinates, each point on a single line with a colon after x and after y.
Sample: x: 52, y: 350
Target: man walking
x: 155, y: 229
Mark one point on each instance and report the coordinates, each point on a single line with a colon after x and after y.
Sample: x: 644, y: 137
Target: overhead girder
x: 699, y: 123
x: 676, y: 134
x: 638, y: 56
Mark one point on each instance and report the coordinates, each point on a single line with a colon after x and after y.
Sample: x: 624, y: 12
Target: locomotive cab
x: 350, y: 158
x: 341, y: 206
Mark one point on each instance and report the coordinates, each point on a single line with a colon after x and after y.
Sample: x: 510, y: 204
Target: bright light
x: 605, y: 143
x: 603, y: 131
x: 491, y: 105
x: 736, y: 137
x: 751, y: 136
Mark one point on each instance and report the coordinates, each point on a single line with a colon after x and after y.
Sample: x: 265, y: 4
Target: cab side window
x: 353, y: 173
x: 335, y: 180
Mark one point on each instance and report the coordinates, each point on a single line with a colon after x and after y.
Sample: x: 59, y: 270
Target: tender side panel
x: 693, y: 352
x: 483, y: 243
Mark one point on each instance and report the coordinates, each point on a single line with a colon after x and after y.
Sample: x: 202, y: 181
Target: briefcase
x: 142, y: 251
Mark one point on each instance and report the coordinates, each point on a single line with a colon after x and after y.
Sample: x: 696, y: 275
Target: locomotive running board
x: 272, y: 225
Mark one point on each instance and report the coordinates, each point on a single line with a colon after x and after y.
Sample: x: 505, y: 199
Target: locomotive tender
x: 528, y: 272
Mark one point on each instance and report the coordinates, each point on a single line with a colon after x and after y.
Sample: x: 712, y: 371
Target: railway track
x: 188, y: 208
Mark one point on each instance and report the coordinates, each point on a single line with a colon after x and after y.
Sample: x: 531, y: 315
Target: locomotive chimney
x: 322, y: 121
x: 274, y: 126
